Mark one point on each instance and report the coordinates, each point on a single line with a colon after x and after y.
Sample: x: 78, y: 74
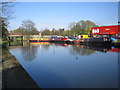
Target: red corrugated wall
x: 105, y: 30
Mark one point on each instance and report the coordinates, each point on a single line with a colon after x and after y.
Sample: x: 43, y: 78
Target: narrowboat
x: 98, y: 40
x: 58, y: 39
x: 39, y: 39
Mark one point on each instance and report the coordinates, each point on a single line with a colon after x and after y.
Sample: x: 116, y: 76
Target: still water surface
x: 68, y: 66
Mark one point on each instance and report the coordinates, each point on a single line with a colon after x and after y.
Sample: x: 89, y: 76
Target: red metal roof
x: 105, y: 30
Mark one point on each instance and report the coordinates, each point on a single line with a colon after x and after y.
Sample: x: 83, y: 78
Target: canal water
x: 58, y: 65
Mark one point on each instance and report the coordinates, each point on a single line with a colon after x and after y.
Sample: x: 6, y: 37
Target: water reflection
x: 29, y: 51
x: 60, y: 65
x: 80, y: 50
x: 87, y: 49
x: 16, y: 43
x: 100, y: 48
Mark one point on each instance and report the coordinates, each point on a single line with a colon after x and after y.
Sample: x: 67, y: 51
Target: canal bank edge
x: 13, y: 74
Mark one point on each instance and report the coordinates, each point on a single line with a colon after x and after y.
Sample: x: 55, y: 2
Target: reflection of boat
x: 101, y: 48
x: 39, y: 43
x: 114, y: 50
x: 61, y: 44
x: 79, y: 45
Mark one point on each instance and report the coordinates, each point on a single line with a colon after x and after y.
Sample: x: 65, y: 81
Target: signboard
x: 95, y: 30
x: 105, y: 30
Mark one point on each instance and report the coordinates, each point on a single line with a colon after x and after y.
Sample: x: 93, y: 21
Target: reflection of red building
x: 106, y: 30
x: 115, y: 50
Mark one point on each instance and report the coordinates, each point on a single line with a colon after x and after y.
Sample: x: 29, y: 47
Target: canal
x: 56, y: 65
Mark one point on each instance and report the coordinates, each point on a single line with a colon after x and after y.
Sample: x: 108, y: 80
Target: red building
x: 106, y: 30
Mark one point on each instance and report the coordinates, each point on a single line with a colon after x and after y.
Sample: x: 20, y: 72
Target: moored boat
x: 58, y: 39
x: 97, y: 40
x: 39, y: 40
x: 116, y: 44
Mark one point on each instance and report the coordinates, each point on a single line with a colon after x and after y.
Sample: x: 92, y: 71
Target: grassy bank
x: 14, y: 75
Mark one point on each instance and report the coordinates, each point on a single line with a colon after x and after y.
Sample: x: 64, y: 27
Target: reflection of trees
x: 74, y: 50
x: 29, y: 51
x: 16, y: 43
x: 45, y: 47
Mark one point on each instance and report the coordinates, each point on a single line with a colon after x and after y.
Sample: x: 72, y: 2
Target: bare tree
x: 5, y: 16
x: 29, y: 27
x: 71, y: 25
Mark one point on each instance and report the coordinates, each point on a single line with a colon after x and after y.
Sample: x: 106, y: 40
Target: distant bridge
x: 13, y: 36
